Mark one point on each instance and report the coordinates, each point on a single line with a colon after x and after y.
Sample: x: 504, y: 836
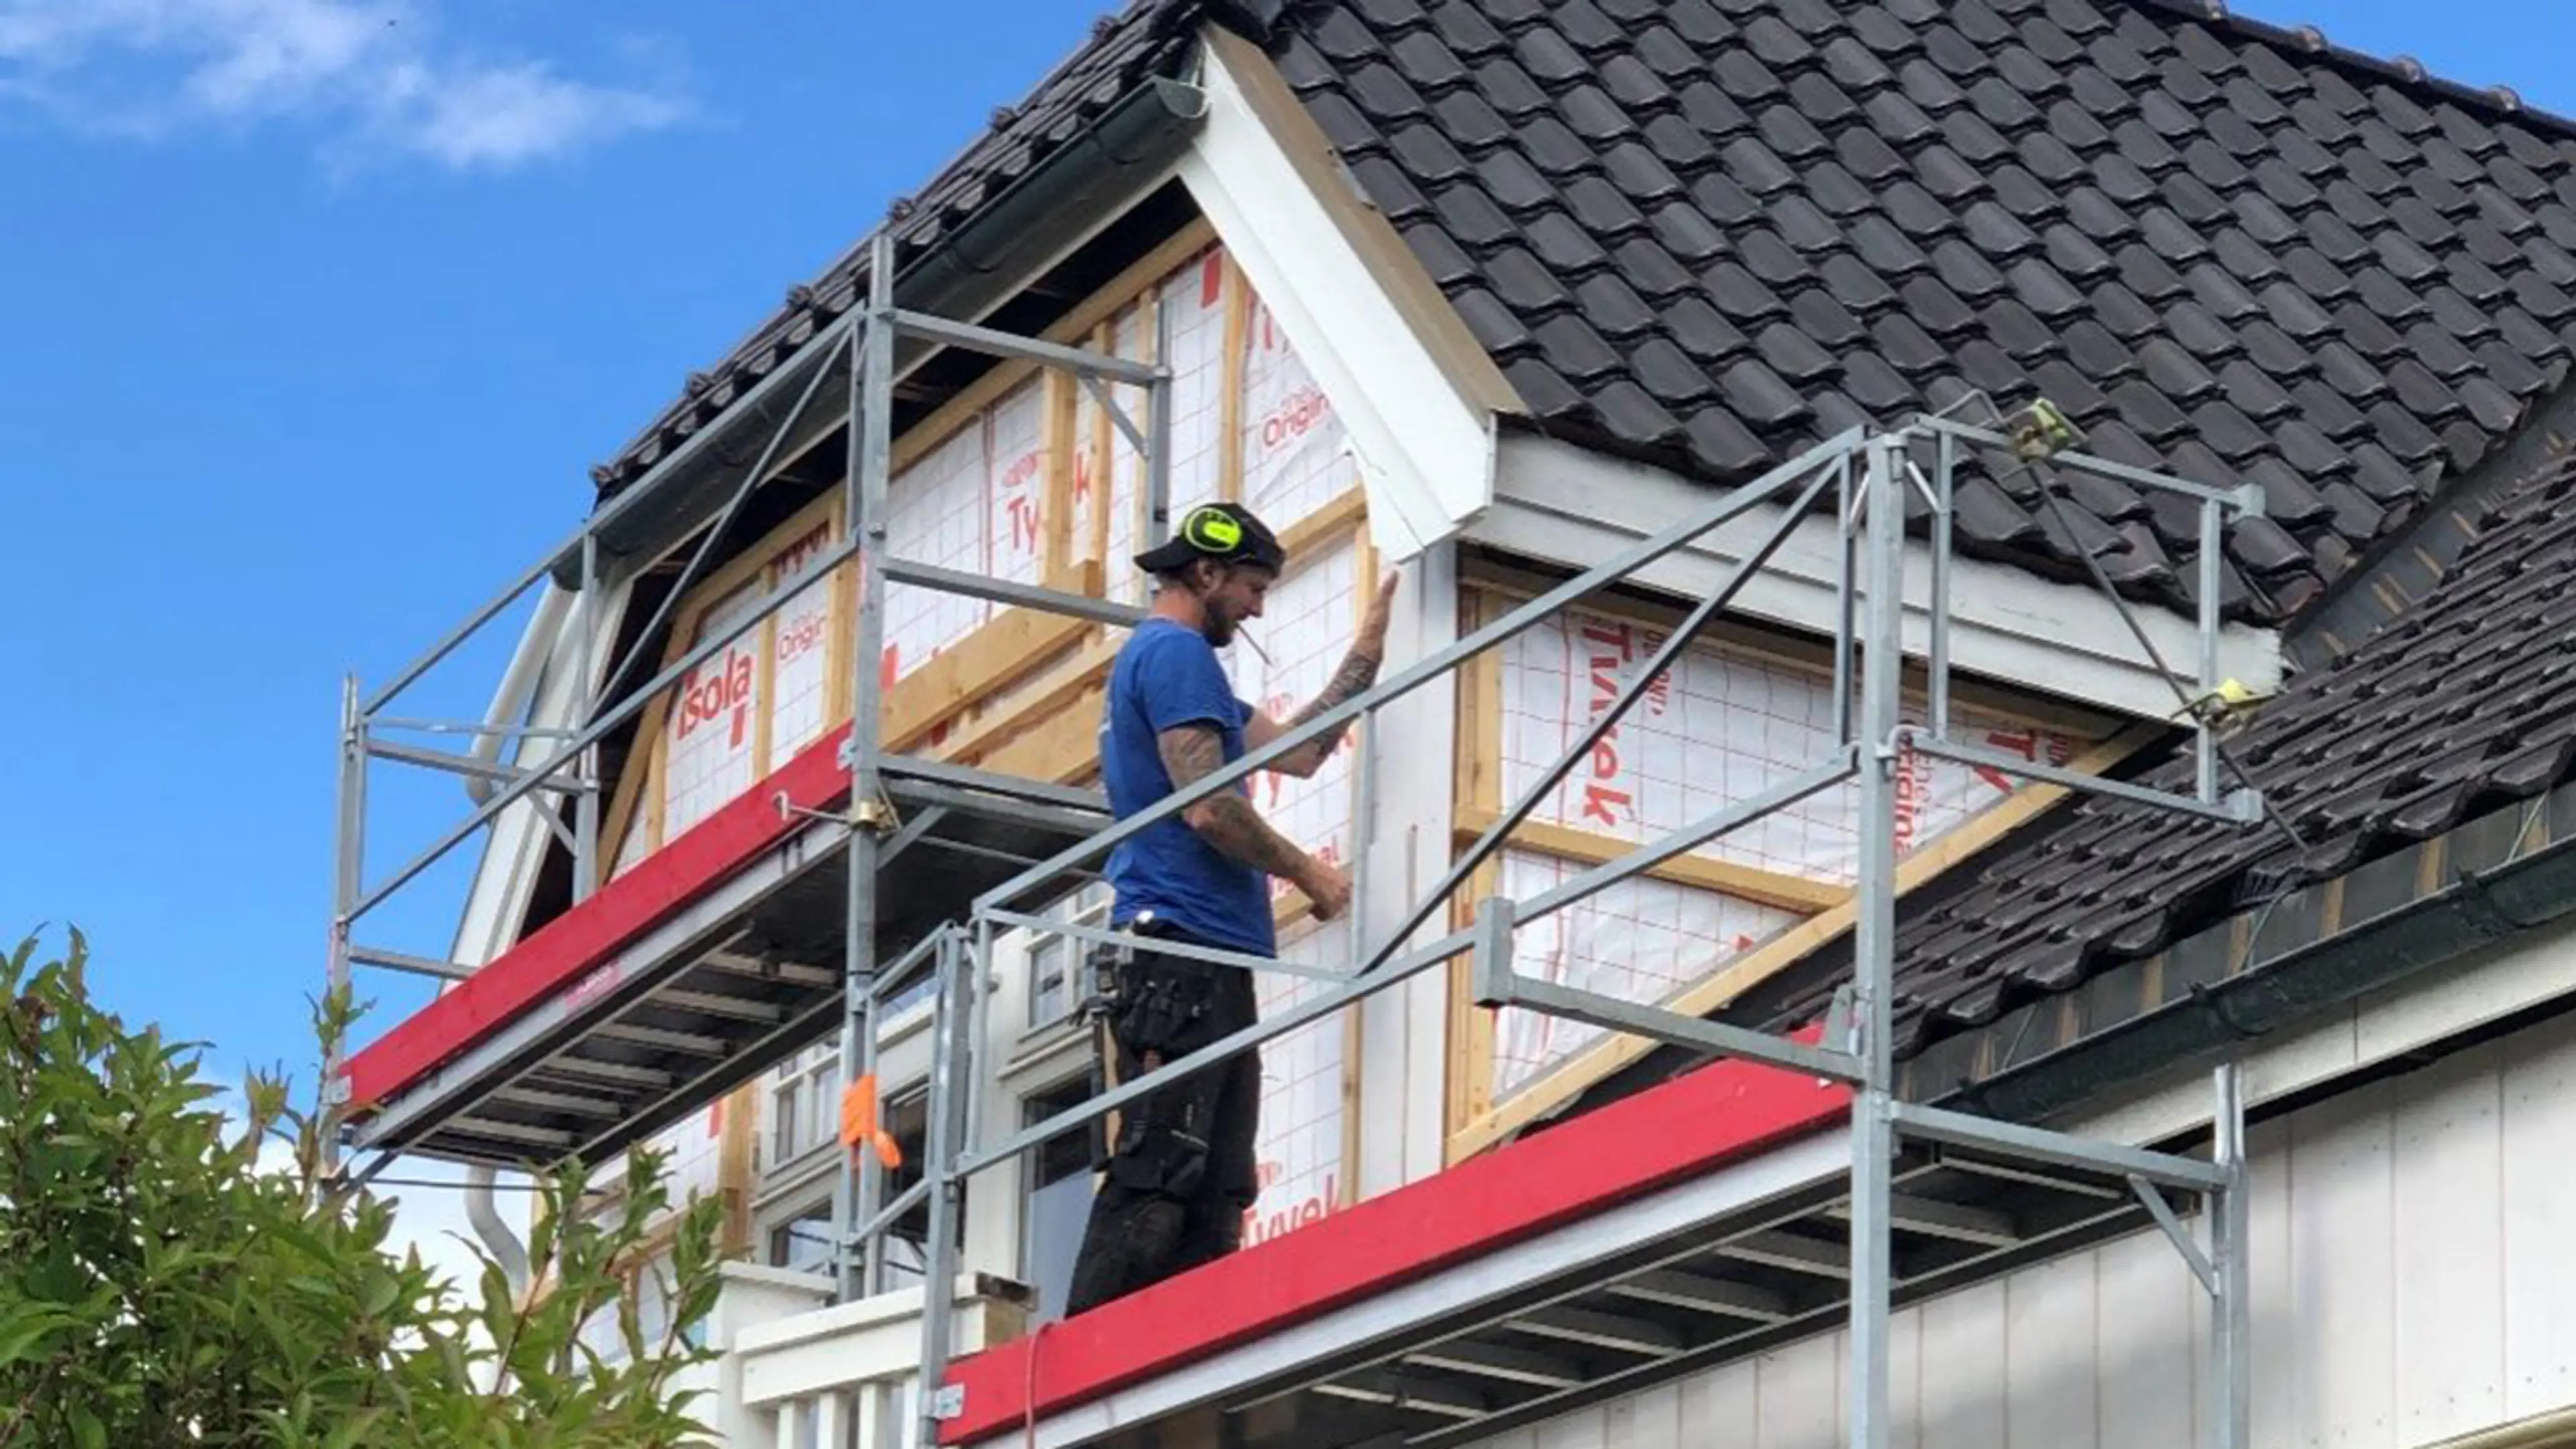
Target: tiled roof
x: 2466, y: 704
x: 1713, y: 231
x: 1123, y: 50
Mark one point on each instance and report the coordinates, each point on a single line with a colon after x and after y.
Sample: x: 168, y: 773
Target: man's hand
x: 1327, y: 887
x: 1358, y: 672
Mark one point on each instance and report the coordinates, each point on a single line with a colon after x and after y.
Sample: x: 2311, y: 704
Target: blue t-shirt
x: 1168, y: 676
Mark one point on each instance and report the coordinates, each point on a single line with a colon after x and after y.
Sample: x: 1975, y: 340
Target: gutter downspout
x: 2477, y: 908
x: 510, y: 701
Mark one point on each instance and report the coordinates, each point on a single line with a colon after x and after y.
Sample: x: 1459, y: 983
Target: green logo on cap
x: 1212, y: 530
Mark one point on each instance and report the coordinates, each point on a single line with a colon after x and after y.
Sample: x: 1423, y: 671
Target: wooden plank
x: 1104, y: 488
x: 1229, y: 426
x: 1049, y: 692
x: 2538, y: 1206
x: 1062, y: 426
x: 1770, y: 887
x: 990, y: 659
x: 1790, y: 947
x: 1060, y: 748
x: 2049, y: 1335
x: 1090, y: 312
x: 1325, y: 526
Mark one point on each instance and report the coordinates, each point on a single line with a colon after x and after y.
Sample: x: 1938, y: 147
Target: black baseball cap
x: 1225, y: 532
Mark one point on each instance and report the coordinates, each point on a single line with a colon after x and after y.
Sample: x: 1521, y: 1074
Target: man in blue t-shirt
x: 1181, y: 1173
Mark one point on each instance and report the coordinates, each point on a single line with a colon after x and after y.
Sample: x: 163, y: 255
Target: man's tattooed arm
x: 1226, y: 820
x: 1349, y: 682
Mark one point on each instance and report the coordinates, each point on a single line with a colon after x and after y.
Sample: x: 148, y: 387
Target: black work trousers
x: 1181, y: 1174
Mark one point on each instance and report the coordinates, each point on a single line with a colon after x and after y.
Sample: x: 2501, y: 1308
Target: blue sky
x: 317, y: 311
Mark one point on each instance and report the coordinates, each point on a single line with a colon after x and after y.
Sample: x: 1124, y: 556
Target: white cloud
x: 375, y: 75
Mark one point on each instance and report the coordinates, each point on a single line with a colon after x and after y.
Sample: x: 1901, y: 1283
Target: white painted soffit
x: 1415, y: 389
x: 1569, y: 505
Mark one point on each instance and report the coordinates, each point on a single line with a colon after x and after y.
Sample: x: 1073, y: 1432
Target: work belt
x: 1153, y: 1006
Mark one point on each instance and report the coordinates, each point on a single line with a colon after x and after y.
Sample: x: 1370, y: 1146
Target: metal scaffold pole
x: 871, y: 398
x: 1873, y: 1136
x: 348, y: 879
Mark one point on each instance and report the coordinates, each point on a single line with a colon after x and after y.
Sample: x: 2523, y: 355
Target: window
x: 1058, y: 1202
x: 804, y: 1102
x: 803, y: 1242
x: 1054, y: 984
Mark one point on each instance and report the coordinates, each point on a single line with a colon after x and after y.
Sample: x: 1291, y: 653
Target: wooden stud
x: 1060, y: 430
x: 995, y: 656
x: 1782, y: 951
x: 1058, y: 746
x: 1585, y: 847
x: 1325, y: 525
x: 735, y: 1166
x: 1119, y: 292
x: 1104, y: 488
x: 1050, y: 692
x: 1229, y: 428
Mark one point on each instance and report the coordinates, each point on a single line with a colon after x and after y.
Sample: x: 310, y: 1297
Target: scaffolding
x: 1863, y: 480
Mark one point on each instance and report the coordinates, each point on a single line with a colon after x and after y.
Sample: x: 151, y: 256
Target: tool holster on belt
x: 1147, y: 1009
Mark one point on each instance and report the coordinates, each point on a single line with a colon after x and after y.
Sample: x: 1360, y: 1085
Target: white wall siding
x: 2414, y: 1279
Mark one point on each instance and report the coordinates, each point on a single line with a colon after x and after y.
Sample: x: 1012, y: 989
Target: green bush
x: 163, y: 1282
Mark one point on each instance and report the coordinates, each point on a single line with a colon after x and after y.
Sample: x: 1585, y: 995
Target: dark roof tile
x: 2019, y: 331
x: 1593, y: 115
x: 1427, y: 62
x: 2327, y: 410
x: 1723, y: 445
x: 2102, y: 356
x: 1669, y: 373
x: 1702, y: 332
x: 1425, y: 150
x: 1604, y: 208
x: 2204, y: 335
x: 2364, y: 329
x: 1905, y: 344
x: 2402, y: 433
x: 1632, y: 416
x: 1752, y: 164
x: 1639, y: 172
x: 1712, y: 111
x: 1507, y: 177
x: 1563, y: 244
x: 1773, y: 40
x: 1385, y: 94
x: 1821, y: 316
x: 1493, y: 323
x: 2422, y: 393
x: 1759, y: 395
x: 1739, y: 294
x: 1897, y: 117
x: 2274, y: 350
x: 2175, y: 372
x: 2349, y: 373
x: 1471, y: 216
x: 1574, y: 349
x: 1687, y: 233
x: 1545, y: 53
x: 1464, y: 29
x: 1554, y: 148
x: 1542, y: 387
x: 1509, y: 88
x: 1936, y: 307
x: 1585, y: 25
x: 2123, y: 311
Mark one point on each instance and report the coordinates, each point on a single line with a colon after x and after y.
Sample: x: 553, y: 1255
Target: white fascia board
x: 1569, y: 505
x: 1422, y: 434
x: 496, y: 901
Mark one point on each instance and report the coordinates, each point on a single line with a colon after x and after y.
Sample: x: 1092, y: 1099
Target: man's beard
x: 1218, y: 630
